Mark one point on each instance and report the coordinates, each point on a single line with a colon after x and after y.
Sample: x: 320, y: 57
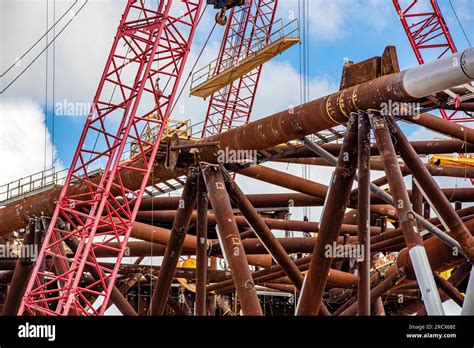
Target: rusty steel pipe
x: 406, y: 216
x: 440, y: 256
x: 439, y: 201
x: 434, y: 170
x: 291, y: 182
x: 230, y: 240
x: 263, y: 232
x: 279, y: 200
x: 336, y: 278
x: 274, y: 224
x: 158, y: 235
x: 466, y: 212
x: 286, y: 180
x: 175, y: 245
x: 379, y: 290
x: 228, y: 284
x: 363, y: 199
x: 14, y: 216
x: 395, y: 180
x: 422, y: 147
x: 336, y: 108
x: 449, y: 289
x: 331, y: 221
x: 271, y: 200
x: 201, y: 250
x: 443, y: 126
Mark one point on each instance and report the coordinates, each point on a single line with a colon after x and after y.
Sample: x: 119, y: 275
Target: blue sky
x: 339, y: 29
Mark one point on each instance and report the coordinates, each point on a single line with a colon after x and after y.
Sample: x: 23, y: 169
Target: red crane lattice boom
x: 428, y: 33
x: 248, y: 25
x: 152, y: 44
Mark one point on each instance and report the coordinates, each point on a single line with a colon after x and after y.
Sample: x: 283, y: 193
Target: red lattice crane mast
x: 140, y: 79
x: 428, y: 33
x: 248, y: 29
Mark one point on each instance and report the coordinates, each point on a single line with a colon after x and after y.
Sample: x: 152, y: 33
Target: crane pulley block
x: 224, y: 5
x: 227, y: 4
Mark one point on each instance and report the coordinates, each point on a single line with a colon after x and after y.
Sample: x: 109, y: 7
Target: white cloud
x: 422, y: 133
x: 274, y: 94
x: 22, y: 140
x: 81, y: 49
x: 331, y: 20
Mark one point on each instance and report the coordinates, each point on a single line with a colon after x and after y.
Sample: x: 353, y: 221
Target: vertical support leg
x: 263, y: 232
x: 175, y: 245
x: 419, y: 259
x: 436, y: 198
x: 417, y: 200
x: 334, y: 208
x: 377, y: 308
x: 201, y: 250
x: 378, y: 291
x: 449, y: 289
x: 426, y: 210
x: 363, y: 290
x: 229, y: 239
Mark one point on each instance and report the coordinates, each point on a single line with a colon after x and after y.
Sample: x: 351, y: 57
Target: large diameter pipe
x: 378, y: 291
x: 201, y: 249
x: 439, y: 201
x: 443, y: 126
x: 229, y: 239
x: 422, y: 147
x: 363, y: 171
x: 13, y: 216
x: 331, y: 220
x: 160, y: 235
x: 395, y: 181
x: 286, y: 180
x: 269, y: 200
x: 291, y: 182
x: 336, y: 108
x: 434, y: 170
x: 263, y: 232
x: 274, y: 224
x: 407, y: 218
x: 175, y: 245
x: 440, y: 74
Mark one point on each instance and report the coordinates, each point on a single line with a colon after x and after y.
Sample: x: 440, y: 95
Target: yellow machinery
x: 188, y: 263
x: 451, y: 161
x: 181, y: 128
x: 214, y: 77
